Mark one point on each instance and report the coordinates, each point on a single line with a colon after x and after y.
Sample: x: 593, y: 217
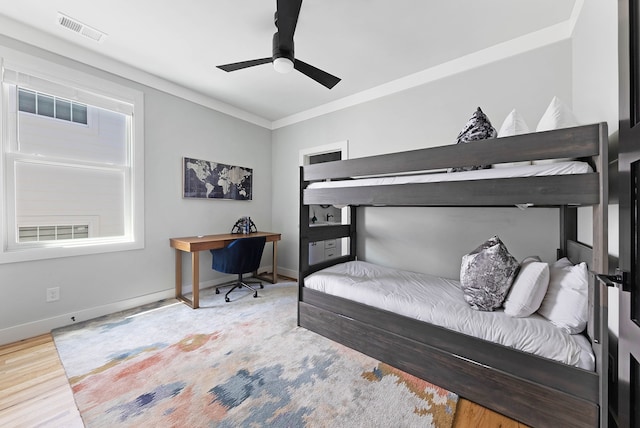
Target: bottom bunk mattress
x: 440, y: 301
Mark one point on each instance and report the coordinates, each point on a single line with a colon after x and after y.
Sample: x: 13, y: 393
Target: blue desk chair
x: 241, y: 256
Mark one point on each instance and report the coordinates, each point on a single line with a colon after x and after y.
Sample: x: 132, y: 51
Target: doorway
x: 321, y: 215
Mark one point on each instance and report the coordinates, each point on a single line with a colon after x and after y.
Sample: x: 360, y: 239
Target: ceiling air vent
x: 80, y: 28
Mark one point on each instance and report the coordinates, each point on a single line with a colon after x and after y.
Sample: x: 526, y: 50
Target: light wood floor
x: 34, y: 391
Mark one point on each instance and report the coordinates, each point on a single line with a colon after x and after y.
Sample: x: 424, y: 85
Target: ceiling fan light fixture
x: 283, y: 65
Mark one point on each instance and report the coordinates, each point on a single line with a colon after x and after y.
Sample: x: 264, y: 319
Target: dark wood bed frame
x: 530, y: 389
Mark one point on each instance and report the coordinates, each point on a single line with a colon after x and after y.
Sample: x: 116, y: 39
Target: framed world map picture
x: 213, y: 180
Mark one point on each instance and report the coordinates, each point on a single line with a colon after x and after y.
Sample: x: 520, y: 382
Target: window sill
x: 43, y: 253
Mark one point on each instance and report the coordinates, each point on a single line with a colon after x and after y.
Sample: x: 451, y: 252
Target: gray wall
x: 97, y: 284
x: 595, y: 85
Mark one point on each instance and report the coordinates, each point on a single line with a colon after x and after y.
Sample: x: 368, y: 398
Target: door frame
x: 628, y: 366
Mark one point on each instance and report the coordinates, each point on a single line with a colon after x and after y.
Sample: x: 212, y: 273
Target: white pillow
x: 514, y: 124
x: 528, y: 289
x: 530, y: 259
x: 557, y: 116
x: 566, y: 301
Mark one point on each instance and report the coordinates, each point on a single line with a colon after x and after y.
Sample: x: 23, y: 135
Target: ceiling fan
x: 283, y: 59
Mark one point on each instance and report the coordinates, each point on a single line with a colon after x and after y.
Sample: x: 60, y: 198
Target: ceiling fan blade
x: 287, y: 19
x: 316, y: 74
x: 244, y: 64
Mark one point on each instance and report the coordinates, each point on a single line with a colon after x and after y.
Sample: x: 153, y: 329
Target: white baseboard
x: 281, y: 271
x: 288, y: 273
x: 36, y: 328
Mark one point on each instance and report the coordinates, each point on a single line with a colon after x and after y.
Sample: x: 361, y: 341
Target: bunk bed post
x: 303, y: 250
x: 600, y: 264
x: 600, y: 344
x: 353, y: 242
x: 568, y: 228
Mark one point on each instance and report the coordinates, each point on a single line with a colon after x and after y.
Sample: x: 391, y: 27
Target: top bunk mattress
x: 537, y: 170
x: 440, y: 301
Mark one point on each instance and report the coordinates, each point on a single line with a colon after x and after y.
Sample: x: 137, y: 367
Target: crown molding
x: 501, y: 51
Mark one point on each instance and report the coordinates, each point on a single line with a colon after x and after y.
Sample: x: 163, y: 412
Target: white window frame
x: 84, y: 88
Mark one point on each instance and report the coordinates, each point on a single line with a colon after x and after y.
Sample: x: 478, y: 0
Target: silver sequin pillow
x: 477, y: 128
x: 486, y: 274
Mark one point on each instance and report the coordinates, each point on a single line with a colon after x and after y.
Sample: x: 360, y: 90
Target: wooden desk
x: 195, y: 244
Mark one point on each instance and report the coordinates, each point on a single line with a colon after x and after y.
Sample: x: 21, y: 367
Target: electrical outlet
x: 53, y: 294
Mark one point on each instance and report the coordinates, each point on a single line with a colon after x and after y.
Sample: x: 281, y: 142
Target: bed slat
x: 581, y: 141
x: 578, y: 189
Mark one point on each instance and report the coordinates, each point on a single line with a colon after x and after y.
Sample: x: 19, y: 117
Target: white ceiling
x: 367, y: 43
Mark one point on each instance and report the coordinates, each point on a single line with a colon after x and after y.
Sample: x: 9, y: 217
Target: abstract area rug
x: 238, y: 364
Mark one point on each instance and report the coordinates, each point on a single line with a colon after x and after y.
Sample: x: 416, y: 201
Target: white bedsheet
x: 557, y: 168
x: 440, y: 301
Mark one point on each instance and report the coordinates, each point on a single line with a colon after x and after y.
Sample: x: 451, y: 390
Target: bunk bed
x: 533, y: 390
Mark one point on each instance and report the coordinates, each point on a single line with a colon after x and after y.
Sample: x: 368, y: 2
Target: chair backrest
x: 241, y: 256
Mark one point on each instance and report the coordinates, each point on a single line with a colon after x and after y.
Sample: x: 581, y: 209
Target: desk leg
x: 178, y: 274
x: 195, y: 269
x: 273, y: 278
x: 195, y: 274
x: 275, y: 261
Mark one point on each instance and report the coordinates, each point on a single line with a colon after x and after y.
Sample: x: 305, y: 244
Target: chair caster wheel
x: 217, y: 291
x: 261, y: 286
x: 255, y: 295
x: 226, y: 299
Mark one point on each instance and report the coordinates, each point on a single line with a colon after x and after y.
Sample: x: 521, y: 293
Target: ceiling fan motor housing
x: 278, y: 51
